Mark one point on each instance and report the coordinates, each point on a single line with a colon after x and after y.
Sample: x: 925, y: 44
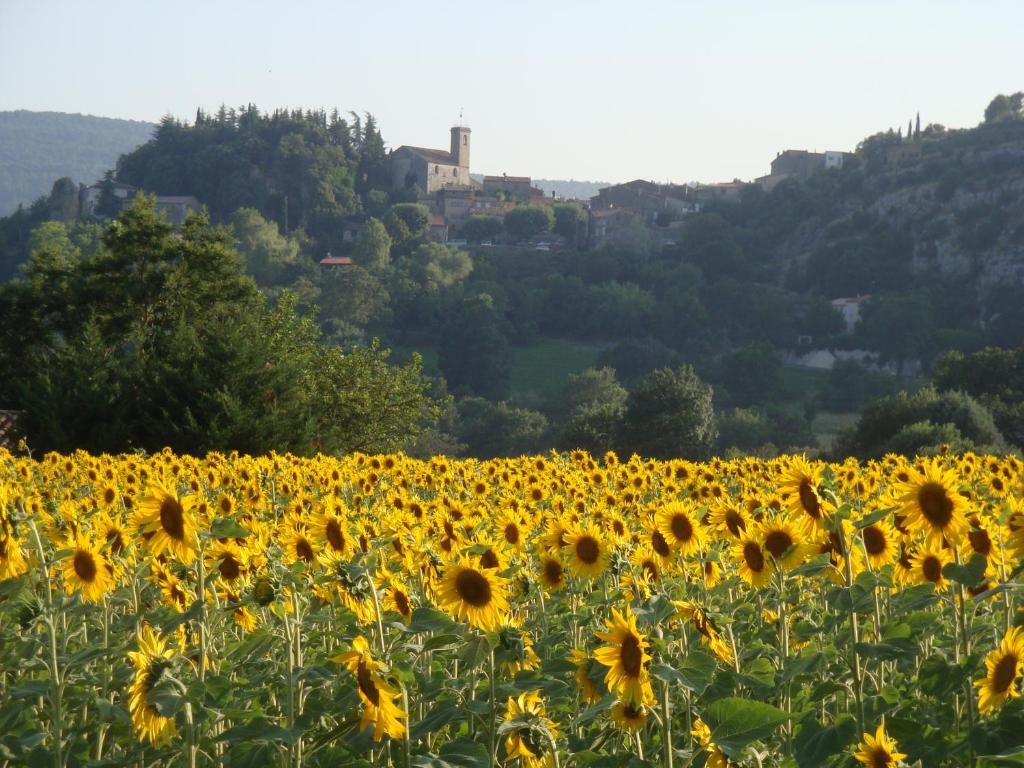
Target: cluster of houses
x: 174, y: 207
x: 442, y: 180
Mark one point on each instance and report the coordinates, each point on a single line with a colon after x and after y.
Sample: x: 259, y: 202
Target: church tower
x: 460, y: 146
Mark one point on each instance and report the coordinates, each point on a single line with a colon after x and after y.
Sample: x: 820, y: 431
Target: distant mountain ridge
x: 37, y: 148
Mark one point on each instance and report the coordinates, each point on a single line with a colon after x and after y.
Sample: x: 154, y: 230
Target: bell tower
x: 460, y: 146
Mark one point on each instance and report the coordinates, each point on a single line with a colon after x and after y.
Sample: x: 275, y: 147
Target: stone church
x: 433, y: 169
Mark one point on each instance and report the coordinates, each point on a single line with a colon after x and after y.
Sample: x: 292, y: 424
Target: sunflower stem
x: 492, y: 695
x: 56, y: 687
x: 666, y: 725
x: 858, y: 692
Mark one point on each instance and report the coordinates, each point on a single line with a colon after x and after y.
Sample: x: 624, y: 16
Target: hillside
x: 37, y: 148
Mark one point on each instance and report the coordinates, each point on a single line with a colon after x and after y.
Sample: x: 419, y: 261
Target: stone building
x: 645, y: 198
x: 432, y: 169
x: 799, y: 164
x: 512, y: 187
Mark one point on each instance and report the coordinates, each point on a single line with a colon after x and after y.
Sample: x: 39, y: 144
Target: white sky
x: 590, y: 89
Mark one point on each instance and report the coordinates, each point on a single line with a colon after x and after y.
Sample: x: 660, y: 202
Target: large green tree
x: 159, y: 339
x: 526, y: 221
x: 670, y: 415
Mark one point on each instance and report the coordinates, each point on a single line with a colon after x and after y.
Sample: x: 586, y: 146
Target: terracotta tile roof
x: 331, y: 261
x: 513, y: 179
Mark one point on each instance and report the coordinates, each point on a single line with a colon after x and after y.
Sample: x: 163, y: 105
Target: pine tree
x: 917, y: 127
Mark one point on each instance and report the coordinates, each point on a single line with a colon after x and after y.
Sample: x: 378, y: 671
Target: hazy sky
x: 594, y: 89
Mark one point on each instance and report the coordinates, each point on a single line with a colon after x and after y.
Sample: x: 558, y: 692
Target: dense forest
x: 37, y: 148
x: 530, y: 349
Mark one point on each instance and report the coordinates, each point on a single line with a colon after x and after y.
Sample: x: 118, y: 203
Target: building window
x: 436, y: 170
x: 455, y: 172
x: 465, y: 140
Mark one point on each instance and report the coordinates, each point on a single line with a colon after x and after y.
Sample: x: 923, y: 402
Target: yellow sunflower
x: 150, y: 661
x: 702, y: 734
x: 678, y: 523
x: 629, y: 716
x: 589, y: 692
x: 87, y: 571
x: 476, y: 595
x: 881, y: 544
x: 755, y: 567
x: 530, y: 741
x: 878, y: 751
x: 780, y: 539
x: 552, y: 573
x: 1003, y: 666
x: 166, y: 524
x: 586, y: 551
x: 927, y: 564
x: 626, y: 657
x: 800, y: 484
x: 931, y: 503
x: 378, y: 697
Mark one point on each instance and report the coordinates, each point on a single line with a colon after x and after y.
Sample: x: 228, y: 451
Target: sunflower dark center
x: 366, y: 683
x: 931, y: 567
x: 109, y: 495
x: 473, y: 587
x: 980, y: 541
x: 115, y: 541
x: 1004, y: 673
x: 512, y: 533
x: 777, y: 542
x: 229, y: 567
x: 553, y: 571
x: 935, y: 504
x: 659, y: 544
x: 303, y: 550
x: 172, y: 518
x: 489, y: 559
x: 402, y: 602
x: 880, y: 758
x: 333, y: 534
x: 85, y: 566
x: 874, y: 540
x: 734, y: 522
x: 631, y: 655
x: 650, y: 569
x: 809, y: 499
x: 753, y: 556
x: 588, y: 550
x: 682, y: 528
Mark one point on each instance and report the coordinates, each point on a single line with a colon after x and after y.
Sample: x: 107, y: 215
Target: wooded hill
x: 37, y: 148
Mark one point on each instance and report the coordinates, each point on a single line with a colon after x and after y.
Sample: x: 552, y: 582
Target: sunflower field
x: 540, y: 612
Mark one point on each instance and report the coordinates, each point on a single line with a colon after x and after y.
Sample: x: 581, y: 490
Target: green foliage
x: 750, y: 374
x: 850, y: 385
x: 995, y: 377
x: 161, y: 340
x: 303, y: 170
x: 373, y: 247
x: 38, y: 147
x: 570, y: 222
x: 407, y: 222
x: 479, y: 228
x: 270, y: 257
x: 436, y: 266
x: 594, y: 404
x: 1004, y: 107
x: 921, y: 422
x: 670, y: 413
x: 526, y: 221
x: 473, y: 352
x: 498, y: 429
